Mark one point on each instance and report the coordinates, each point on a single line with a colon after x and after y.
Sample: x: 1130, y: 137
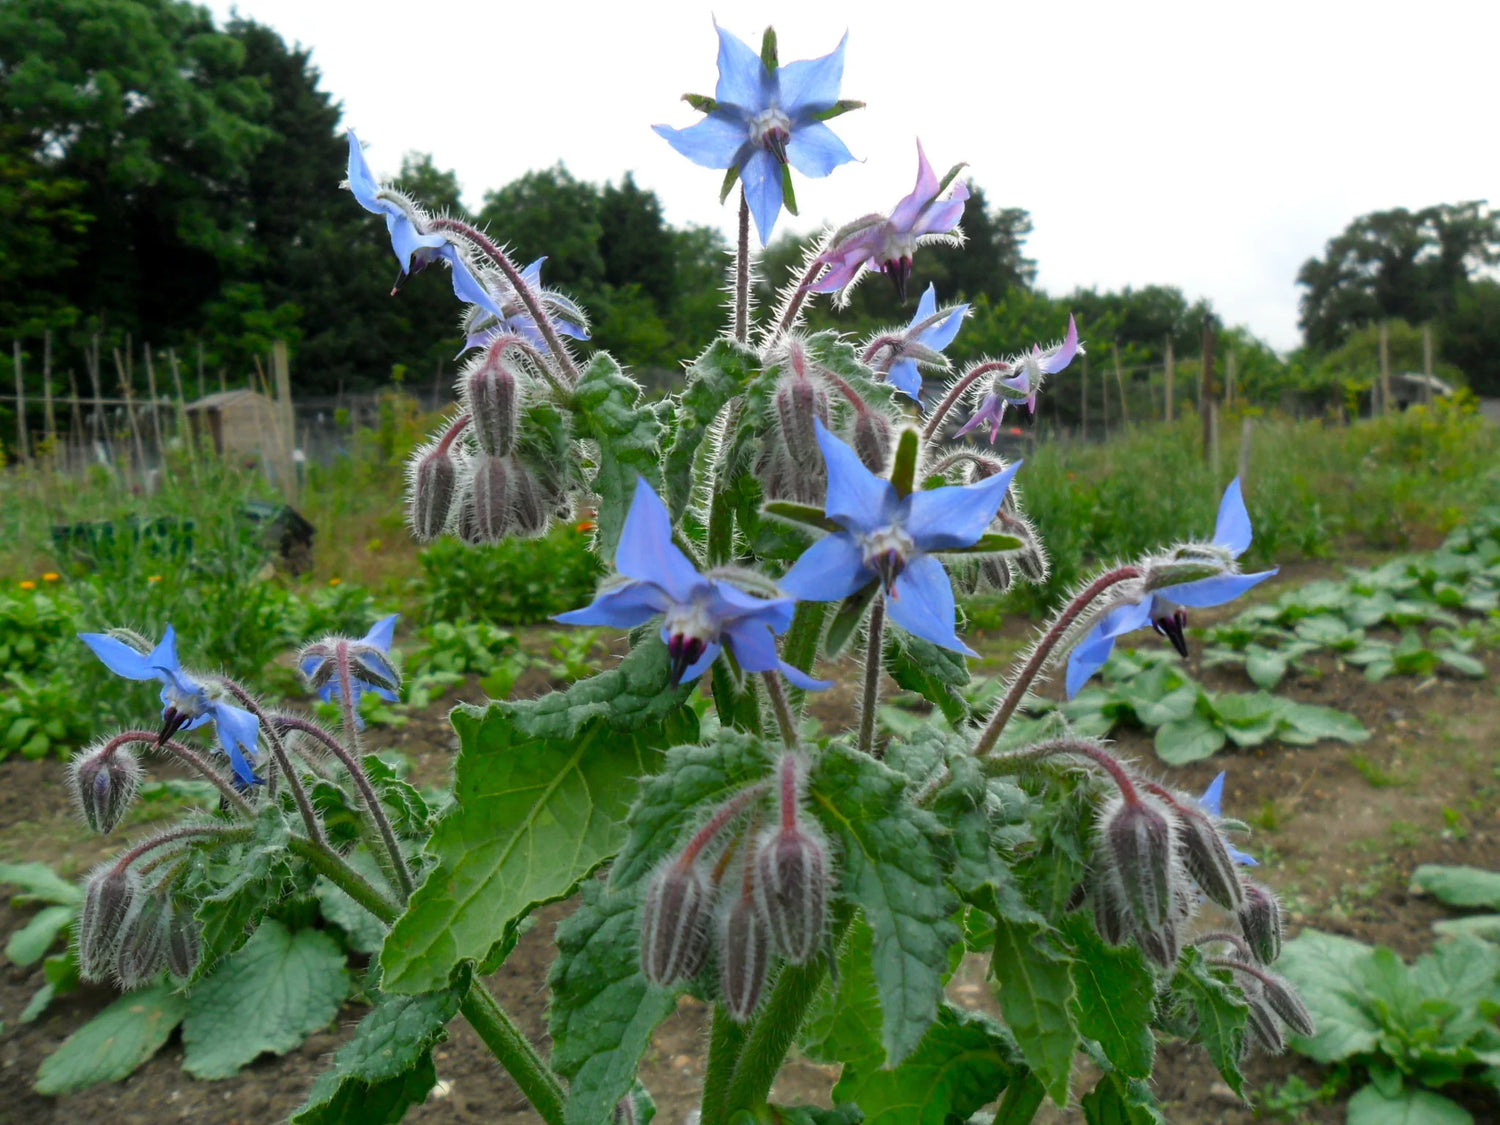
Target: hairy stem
x: 515, y: 1052
x: 726, y: 1040
x: 965, y: 381
x: 193, y: 758
x: 327, y: 862
x: 373, y: 808
x: 742, y: 273
x: 231, y: 834
x: 283, y: 762
x: 519, y: 284
x: 874, y: 656
x: 779, y: 705
x: 776, y: 1027
x: 1043, y: 651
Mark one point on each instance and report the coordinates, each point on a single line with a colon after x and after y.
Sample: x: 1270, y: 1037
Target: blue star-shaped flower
x: 702, y: 615
x: 1163, y: 609
x: 1027, y: 373
x: 481, y: 329
x: 929, y: 331
x: 1212, y: 802
x: 763, y: 119
x: 186, y: 703
x: 414, y: 246
x: 890, y: 539
x: 370, y: 667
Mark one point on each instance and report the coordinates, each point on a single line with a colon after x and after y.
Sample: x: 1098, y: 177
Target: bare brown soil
x: 1340, y: 829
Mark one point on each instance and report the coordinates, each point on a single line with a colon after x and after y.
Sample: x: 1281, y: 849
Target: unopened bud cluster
x: 129, y: 933
x: 790, y: 466
x: 475, y: 481
x: 778, y: 906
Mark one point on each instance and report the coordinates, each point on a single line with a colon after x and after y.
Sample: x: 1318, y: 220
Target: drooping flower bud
x: 744, y: 957
x: 798, y: 402
x: 1138, y: 845
x: 142, y: 950
x: 104, y: 780
x: 872, y: 441
x: 791, y: 875
x: 1161, y: 945
x: 1287, y: 1004
x: 530, y: 509
x: 1109, y: 914
x: 431, y: 492
x: 489, y: 499
x: 674, y: 923
x: 492, y: 395
x: 1262, y: 1026
x: 107, y: 901
x: 1261, y: 923
x: 184, y: 944
x: 1207, y: 858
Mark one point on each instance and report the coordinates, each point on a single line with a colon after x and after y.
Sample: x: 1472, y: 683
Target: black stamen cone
x: 172, y: 721
x: 1173, y: 629
x: 685, y: 652
x: 899, y: 271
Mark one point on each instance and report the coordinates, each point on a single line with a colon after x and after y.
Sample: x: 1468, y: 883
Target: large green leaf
x: 241, y: 885
x: 1221, y: 1014
x: 270, y: 996
x: 30, y: 943
x: 963, y: 1063
x: 714, y: 378
x: 39, y: 883
x: 531, y: 817
x: 1035, y: 989
x: 1329, y: 973
x: 387, y: 1067
x: 603, y: 1009
x: 1457, y: 885
x: 1302, y: 724
x: 932, y: 672
x: 691, y: 779
x: 1188, y: 740
x: 1409, y: 1107
x: 1117, y: 1101
x: 893, y: 872
x: 843, y: 1023
x: 607, y: 408
x: 113, y: 1043
x: 1114, y: 997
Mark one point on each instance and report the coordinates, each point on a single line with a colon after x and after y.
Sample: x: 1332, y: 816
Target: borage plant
x: 788, y: 502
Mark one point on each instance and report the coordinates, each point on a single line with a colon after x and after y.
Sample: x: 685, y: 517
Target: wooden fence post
x: 1245, y: 431
x: 1231, y: 373
x: 287, y: 420
x: 1171, y: 389
x: 1427, y: 364
x: 1206, y: 385
x: 1385, y: 368
x: 22, y: 453
x: 1083, y: 398
x: 1120, y: 384
x: 47, y: 414
x: 155, y: 412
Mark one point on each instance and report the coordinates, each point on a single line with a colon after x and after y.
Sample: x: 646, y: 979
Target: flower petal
x: 405, y: 241
x: 815, y: 150
x: 940, y: 218
x: 1054, y: 361
x: 1087, y: 657
x: 832, y: 568
x: 922, y: 604
x: 906, y: 212
x: 119, y: 657
x: 927, y: 306
x: 466, y: 286
x: 743, y: 78
x: 696, y: 669
x: 362, y: 181
x: 1232, y: 529
x: 753, y: 646
x: 714, y: 142
x: 761, y: 177
x: 938, y: 336
x: 729, y: 604
x: 381, y: 632
x: 1212, y: 801
x: 623, y: 607
x: 238, y: 730
x: 810, y: 86
x: 1213, y: 591
x: 941, y: 519
x: 905, y: 377
x: 646, y: 551
x: 857, y: 498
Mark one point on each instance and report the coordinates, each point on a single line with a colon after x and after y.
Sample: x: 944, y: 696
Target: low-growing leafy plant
x: 1467, y: 888
x: 516, y: 582
x: 1407, y: 1030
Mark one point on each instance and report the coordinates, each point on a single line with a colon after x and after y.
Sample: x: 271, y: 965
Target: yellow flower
x: 153, y: 578
x: 28, y: 584
x: 50, y: 576
x: 334, y: 581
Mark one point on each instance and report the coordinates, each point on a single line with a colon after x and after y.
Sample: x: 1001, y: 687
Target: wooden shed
x: 242, y: 421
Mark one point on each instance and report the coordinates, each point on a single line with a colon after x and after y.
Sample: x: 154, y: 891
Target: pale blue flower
x: 763, y: 119
x: 1212, y: 802
x: 1027, y: 372
x: 1162, y: 609
x: 700, y: 615
x: 890, y: 539
x: 929, y: 331
x: 370, y: 667
x: 186, y: 703
x: 482, y: 329
x: 888, y: 243
x: 414, y: 246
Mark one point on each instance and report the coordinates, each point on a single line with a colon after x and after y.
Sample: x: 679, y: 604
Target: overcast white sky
x: 1206, y: 145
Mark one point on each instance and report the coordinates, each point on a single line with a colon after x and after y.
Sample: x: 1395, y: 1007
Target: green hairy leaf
x: 1221, y: 1013
x: 713, y: 379
x: 1035, y: 990
x: 270, y: 996
x: 1114, y: 997
x: 603, y: 1009
x: 1458, y: 886
x: 113, y: 1043
x: 387, y: 1067
x: 1409, y: 1107
x: 607, y: 409
x: 1328, y: 973
x: 532, y: 816
x: 892, y: 871
x: 256, y: 872
x: 1117, y: 1101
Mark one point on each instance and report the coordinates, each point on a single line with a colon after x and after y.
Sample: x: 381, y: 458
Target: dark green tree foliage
x: 1397, y: 264
x: 41, y: 230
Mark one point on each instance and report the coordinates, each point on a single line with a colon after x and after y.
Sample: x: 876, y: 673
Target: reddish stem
x: 965, y: 381
x: 727, y: 812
